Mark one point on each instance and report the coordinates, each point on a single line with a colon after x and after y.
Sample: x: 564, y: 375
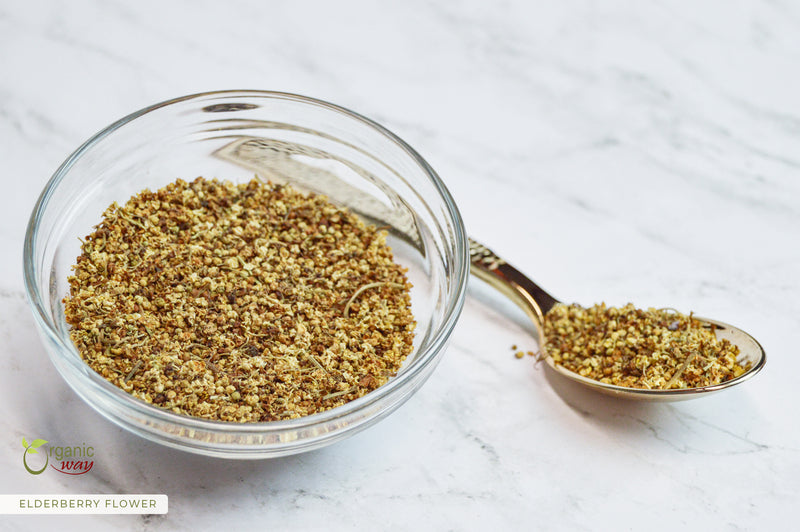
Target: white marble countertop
x: 617, y: 151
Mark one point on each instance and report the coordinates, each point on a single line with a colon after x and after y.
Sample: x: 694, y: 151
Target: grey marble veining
x: 617, y: 151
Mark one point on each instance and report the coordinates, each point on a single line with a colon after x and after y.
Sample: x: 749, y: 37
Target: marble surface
x: 617, y: 151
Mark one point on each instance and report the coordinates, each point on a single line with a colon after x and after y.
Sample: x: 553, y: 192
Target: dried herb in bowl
x: 239, y: 302
x: 635, y: 348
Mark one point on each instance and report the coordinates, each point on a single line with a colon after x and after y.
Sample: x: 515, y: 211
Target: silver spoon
x: 486, y: 265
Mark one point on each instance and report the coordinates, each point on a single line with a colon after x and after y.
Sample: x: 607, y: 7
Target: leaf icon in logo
x: 38, y: 442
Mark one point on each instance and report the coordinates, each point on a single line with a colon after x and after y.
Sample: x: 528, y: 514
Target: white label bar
x: 91, y: 503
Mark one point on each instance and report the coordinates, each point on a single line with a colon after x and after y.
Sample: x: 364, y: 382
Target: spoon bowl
x: 536, y: 303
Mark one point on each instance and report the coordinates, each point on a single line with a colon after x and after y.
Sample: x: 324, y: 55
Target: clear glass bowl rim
x: 460, y: 264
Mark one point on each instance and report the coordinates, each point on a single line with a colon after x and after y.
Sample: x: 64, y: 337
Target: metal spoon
x: 536, y: 303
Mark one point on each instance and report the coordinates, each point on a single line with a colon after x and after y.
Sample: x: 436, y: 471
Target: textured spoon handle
x: 486, y: 265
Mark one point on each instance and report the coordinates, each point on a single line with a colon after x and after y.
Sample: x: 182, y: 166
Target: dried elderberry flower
x: 654, y: 348
x: 249, y: 302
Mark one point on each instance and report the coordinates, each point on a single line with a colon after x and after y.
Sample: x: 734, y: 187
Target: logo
x: 69, y: 460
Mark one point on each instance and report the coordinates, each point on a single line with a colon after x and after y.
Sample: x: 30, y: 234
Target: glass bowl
x: 232, y: 135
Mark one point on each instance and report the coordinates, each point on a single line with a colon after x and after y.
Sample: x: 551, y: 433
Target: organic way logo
x: 64, y: 456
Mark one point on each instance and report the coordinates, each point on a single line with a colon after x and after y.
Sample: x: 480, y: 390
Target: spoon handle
x: 487, y: 266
